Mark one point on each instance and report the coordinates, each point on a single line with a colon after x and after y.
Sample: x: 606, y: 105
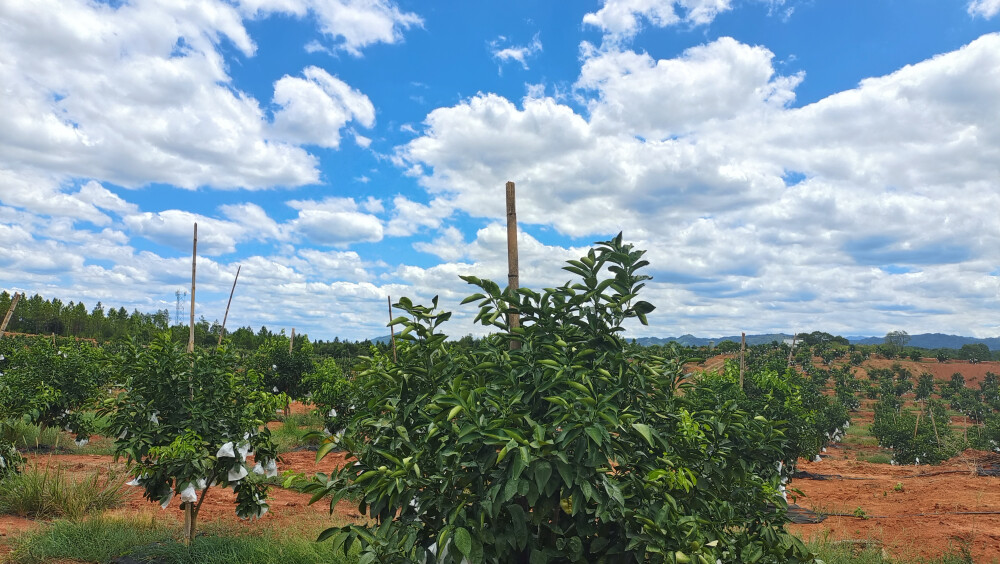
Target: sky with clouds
x: 788, y: 164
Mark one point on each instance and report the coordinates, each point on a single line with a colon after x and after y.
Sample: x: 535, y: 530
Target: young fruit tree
x: 53, y: 386
x: 575, y: 447
x: 187, y: 422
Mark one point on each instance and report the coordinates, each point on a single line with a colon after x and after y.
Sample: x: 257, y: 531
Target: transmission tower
x: 177, y: 314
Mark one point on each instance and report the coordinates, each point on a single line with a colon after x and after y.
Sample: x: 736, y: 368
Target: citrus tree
x: 332, y: 393
x: 54, y: 386
x: 573, y: 447
x: 187, y: 422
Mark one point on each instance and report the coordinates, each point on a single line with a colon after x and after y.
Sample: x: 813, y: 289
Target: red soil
x: 920, y: 520
x: 973, y: 373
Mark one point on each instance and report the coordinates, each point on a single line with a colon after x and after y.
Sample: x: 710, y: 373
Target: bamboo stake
x: 222, y: 333
x: 189, y: 507
x: 917, y: 424
x: 194, y: 267
x: 743, y: 362
x: 392, y: 330
x: 10, y: 312
x: 791, y: 350
x: 513, y: 278
x: 936, y: 437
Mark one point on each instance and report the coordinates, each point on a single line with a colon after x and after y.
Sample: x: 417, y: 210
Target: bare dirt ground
x: 912, y: 511
x: 973, y: 373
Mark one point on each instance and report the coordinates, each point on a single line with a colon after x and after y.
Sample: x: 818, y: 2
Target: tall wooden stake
x: 291, y: 341
x: 743, y: 362
x: 222, y: 333
x: 791, y: 350
x: 194, y: 269
x: 513, y: 280
x: 392, y: 330
x: 10, y: 312
x: 189, y: 507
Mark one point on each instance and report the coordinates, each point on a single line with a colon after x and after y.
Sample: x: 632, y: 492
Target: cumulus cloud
x: 133, y: 94
x: 717, y: 81
x: 314, y: 109
x: 335, y: 222
x: 622, y: 19
x: 505, y: 53
x: 349, y: 24
x: 984, y: 8
x: 738, y: 195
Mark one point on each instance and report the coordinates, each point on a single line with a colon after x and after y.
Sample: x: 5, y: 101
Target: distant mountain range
x: 923, y: 340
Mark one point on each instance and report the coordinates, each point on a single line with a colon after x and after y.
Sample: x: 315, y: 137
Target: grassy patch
x: 145, y: 539
x: 28, y: 437
x: 44, y: 493
x: 860, y: 440
x: 870, y: 552
x: 875, y: 458
x: 291, y: 434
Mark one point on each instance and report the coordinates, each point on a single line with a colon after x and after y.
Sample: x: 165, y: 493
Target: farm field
x: 910, y: 512
x: 554, y: 452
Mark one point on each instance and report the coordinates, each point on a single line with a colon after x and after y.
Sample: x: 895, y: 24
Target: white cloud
x: 718, y: 81
x: 135, y: 94
x: 335, y: 222
x: 622, y: 19
x: 349, y: 24
x: 514, y: 52
x: 869, y: 206
x: 984, y: 8
x: 313, y: 110
x: 175, y: 228
x: 409, y: 216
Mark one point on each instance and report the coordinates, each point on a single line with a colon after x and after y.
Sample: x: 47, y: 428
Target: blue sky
x: 790, y: 165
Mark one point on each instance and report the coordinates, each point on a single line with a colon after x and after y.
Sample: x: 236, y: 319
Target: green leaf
x: 645, y: 431
x: 463, y: 541
x: 543, y: 470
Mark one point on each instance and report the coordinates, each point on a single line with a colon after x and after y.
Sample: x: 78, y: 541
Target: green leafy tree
x: 572, y: 447
x: 925, y: 386
x: 187, y: 422
x: 283, y: 369
x: 53, y: 386
x: 895, y: 341
x: 334, y: 395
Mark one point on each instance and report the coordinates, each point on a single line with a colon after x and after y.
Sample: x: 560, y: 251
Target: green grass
x: 146, y: 539
x: 28, y: 437
x: 870, y: 552
x: 875, y: 458
x: 291, y: 433
x: 860, y: 440
x: 44, y: 492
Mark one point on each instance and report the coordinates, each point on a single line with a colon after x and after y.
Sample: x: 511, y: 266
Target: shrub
x: 188, y: 421
x: 51, y: 386
x: 573, y: 447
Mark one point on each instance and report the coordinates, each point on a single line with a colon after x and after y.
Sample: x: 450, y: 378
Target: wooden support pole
x: 189, y: 507
x: 222, y: 332
x: 291, y: 341
x: 743, y: 362
x: 513, y: 279
x: 194, y: 269
x: 933, y: 424
x: 10, y: 313
x: 791, y: 350
x: 392, y: 330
